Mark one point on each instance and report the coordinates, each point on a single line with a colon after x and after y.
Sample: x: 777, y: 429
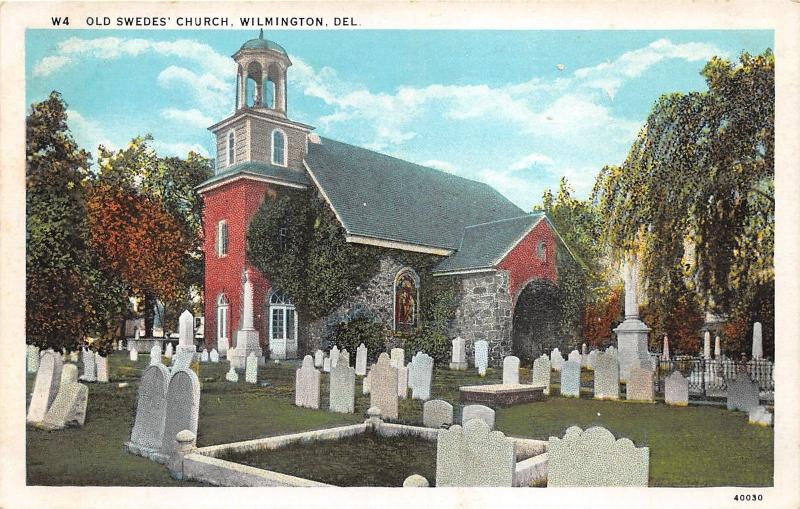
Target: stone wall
x: 375, y: 298
x: 484, y: 313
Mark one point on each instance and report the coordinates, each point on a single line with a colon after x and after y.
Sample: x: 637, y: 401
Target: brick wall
x: 523, y: 264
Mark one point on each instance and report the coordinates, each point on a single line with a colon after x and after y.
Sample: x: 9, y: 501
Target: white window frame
x: 278, y: 301
x: 285, y: 147
x: 230, y: 155
x: 223, y: 315
x: 222, y: 225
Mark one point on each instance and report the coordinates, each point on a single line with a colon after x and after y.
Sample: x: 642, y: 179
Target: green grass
x: 372, y: 460
x: 694, y: 446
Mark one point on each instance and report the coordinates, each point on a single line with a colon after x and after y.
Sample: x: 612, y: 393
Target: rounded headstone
x: 415, y: 481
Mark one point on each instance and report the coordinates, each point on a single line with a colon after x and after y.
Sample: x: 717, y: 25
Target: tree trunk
x: 149, y: 305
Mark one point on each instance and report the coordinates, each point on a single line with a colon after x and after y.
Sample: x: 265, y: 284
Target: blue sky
x: 515, y: 109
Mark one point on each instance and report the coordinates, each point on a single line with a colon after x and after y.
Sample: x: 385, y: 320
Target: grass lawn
x: 694, y: 446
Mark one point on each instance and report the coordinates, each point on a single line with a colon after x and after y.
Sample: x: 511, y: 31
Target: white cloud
x: 609, y: 76
x: 441, y: 165
x: 88, y: 133
x: 530, y: 160
x: 209, y: 91
x: 49, y: 65
x: 521, y: 191
x: 192, y: 117
x: 178, y: 149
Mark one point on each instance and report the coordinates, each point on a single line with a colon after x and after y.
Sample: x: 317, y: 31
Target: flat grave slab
x: 495, y: 395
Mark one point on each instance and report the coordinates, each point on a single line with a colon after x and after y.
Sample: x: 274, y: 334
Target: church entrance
x: 282, y: 326
x: 534, y: 327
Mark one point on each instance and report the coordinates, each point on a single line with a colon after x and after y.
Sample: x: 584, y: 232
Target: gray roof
x: 257, y: 169
x: 380, y: 196
x: 482, y: 245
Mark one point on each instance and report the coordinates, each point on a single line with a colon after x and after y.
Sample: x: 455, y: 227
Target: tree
x: 67, y: 295
x: 694, y: 198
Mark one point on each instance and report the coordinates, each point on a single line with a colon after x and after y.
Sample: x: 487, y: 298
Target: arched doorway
x: 534, y: 328
x: 281, y: 326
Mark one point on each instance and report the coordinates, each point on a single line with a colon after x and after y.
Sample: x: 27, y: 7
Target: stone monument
x: 632, y: 333
x: 247, y: 335
x: 186, y: 333
x: 758, y: 348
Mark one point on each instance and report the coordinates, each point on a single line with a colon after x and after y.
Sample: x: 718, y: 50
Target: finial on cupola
x: 261, y: 33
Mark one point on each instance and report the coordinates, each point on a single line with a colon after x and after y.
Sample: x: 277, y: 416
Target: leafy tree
x: 67, y: 295
x: 695, y: 197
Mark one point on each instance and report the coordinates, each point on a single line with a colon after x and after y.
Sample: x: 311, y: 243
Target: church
x: 491, y: 249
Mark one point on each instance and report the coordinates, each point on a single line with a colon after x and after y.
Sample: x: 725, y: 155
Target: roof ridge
x: 526, y: 214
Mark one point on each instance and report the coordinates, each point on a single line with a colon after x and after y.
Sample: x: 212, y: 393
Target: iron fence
x: 709, y: 377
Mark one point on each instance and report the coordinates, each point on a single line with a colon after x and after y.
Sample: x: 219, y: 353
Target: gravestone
x: 760, y: 416
x: 33, y: 359
x: 606, y: 376
x: 402, y: 382
x: 361, y: 360
x: 183, y: 407
x: 151, y: 406
x: 481, y: 356
x: 421, y: 368
x: 742, y: 393
x: 436, y: 413
x: 717, y: 347
x: 334, y: 356
x: 155, y: 355
x: 556, y: 360
x: 541, y: 373
x: 213, y: 356
x: 343, y: 386
x: 473, y: 455
x: 640, y: 385
x: 306, y: 384
x: 326, y: 364
x: 133, y: 354
x: 73, y: 357
x: 182, y: 360
x: 344, y: 355
x: 251, y: 369
x: 101, y: 363
x: 88, y: 361
x: 365, y: 383
x: 383, y: 387
x: 591, y: 359
x: 458, y: 358
x: 398, y: 359
x: 168, y: 351
x: 707, y: 345
x: 758, y: 346
x: 571, y: 379
x: 319, y: 355
x: 69, y: 407
x: 204, y: 355
x: 511, y: 370
x: 415, y: 481
x: 186, y: 334
x: 45, y: 386
x: 676, y: 389
x: 574, y: 356
x: 484, y: 413
x: 223, y: 345
x: 232, y: 375
x: 595, y: 458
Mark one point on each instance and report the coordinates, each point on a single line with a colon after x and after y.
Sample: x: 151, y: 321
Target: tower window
x: 231, y: 148
x: 283, y: 233
x: 222, y: 238
x: 268, y: 94
x: 541, y: 251
x: 278, y: 148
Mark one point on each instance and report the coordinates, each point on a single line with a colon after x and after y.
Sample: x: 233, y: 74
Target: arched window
x: 268, y: 94
x: 278, y: 147
x: 222, y: 238
x: 406, y: 300
x: 222, y: 316
x: 231, y: 154
x: 282, y: 326
x: 541, y: 251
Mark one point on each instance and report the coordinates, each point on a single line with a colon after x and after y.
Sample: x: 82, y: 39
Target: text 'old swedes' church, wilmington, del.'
x: 495, y: 254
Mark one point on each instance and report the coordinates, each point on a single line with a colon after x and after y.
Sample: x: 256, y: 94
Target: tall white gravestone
x: 402, y: 382
x: 334, y: 356
x: 319, y: 356
x: 541, y: 373
x: 251, y: 369
x: 556, y: 359
x: 168, y: 351
x: 706, y: 345
x: 606, y: 376
x: 306, y: 385
x: 717, y: 348
x: 183, y: 408
x: 133, y: 354
x: 69, y: 407
x: 342, y: 387
x: 155, y: 354
x: 571, y: 379
x: 458, y: 359
x: 101, y: 363
x: 758, y: 347
x: 383, y: 387
x: 247, y: 336
x: 421, y: 369
x: 511, y: 370
x: 361, y: 360
x: 88, y: 361
x: 33, y: 358
x: 186, y: 332
x: 665, y: 349
x: 151, y: 406
x: 213, y: 356
x: 398, y: 359
x: 45, y: 386
x: 482, y: 356
x: 632, y: 333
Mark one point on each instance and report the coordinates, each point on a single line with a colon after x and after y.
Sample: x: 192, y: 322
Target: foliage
x: 681, y: 321
x: 67, y: 294
x: 601, y: 316
x: 694, y: 200
x: 430, y: 340
x: 348, y: 335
